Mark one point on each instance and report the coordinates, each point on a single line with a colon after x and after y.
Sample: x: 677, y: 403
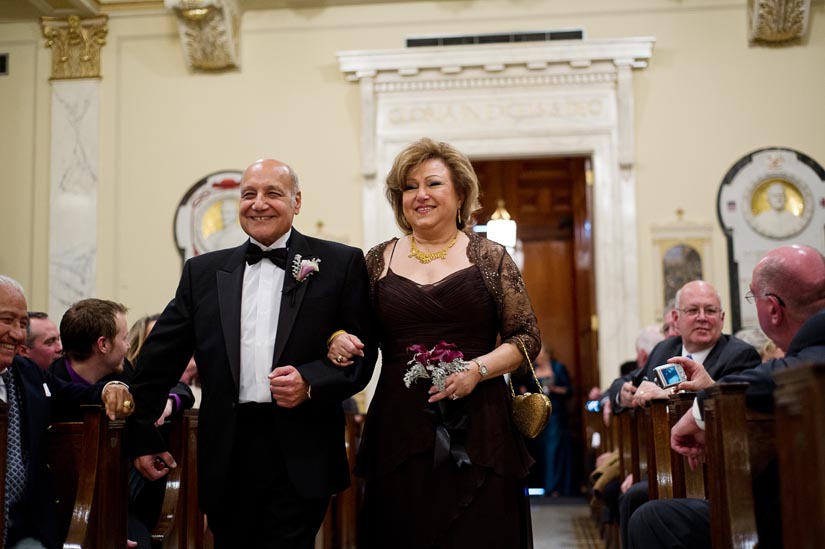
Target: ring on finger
x: 455, y: 396
x: 339, y: 359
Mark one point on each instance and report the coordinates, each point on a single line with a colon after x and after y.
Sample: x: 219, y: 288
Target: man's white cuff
x: 697, y: 414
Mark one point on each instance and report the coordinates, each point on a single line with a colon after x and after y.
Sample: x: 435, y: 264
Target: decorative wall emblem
x: 207, y: 217
x: 768, y: 198
x: 209, y: 32
x: 777, y: 20
x: 75, y: 45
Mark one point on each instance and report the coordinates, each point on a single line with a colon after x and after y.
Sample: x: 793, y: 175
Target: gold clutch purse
x: 531, y: 411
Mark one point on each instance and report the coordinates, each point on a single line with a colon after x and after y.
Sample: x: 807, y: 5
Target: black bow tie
x: 277, y: 256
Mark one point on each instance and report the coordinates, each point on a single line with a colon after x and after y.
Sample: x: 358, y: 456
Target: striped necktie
x: 15, y: 456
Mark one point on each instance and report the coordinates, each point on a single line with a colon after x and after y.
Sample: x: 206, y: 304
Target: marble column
x: 75, y: 157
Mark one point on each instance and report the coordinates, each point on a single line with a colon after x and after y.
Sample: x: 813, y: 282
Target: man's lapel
x: 230, y: 289
x: 712, y: 364
x: 293, y: 293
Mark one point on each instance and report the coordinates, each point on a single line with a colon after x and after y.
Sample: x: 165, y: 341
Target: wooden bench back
x: 740, y: 444
x: 660, y: 457
x: 687, y: 483
x: 800, y: 441
x: 89, y: 472
x: 626, y: 424
x: 181, y: 525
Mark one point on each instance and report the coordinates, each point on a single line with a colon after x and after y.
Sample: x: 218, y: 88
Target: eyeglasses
x: 693, y: 312
x: 750, y: 297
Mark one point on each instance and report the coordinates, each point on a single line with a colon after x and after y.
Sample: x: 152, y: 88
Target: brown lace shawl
x: 504, y: 282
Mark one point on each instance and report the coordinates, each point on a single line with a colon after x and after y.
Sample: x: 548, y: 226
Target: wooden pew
x: 594, y: 424
x: 89, y: 472
x: 181, y: 525
x: 660, y: 457
x: 340, y: 527
x: 800, y: 440
x: 687, y: 483
x: 641, y: 443
x: 740, y: 444
x: 4, y: 433
x: 625, y: 426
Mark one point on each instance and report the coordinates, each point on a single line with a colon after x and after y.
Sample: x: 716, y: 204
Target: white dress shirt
x: 3, y: 396
x: 263, y: 283
x: 699, y: 356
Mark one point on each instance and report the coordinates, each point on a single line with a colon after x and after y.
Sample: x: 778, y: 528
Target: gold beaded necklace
x: 427, y: 257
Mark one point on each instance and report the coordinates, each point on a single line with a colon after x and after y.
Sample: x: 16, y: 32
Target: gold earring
x: 459, y: 215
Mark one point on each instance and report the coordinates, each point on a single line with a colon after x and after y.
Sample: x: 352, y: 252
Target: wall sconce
x: 502, y: 228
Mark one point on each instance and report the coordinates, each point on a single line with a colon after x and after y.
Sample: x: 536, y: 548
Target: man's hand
x: 626, y: 394
x: 118, y: 401
x: 646, y: 392
x: 288, y: 387
x: 343, y: 348
x: 688, y: 439
x: 698, y: 377
x: 627, y: 483
x: 167, y: 411
x: 155, y: 466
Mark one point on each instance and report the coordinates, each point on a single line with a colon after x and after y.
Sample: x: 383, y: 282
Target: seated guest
x: 30, y: 511
x: 788, y: 289
x: 766, y: 348
x: 189, y: 381
x: 609, y: 486
x: 42, y: 344
x: 95, y: 343
x: 699, y: 317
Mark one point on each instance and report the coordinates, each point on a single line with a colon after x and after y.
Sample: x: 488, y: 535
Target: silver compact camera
x: 670, y: 375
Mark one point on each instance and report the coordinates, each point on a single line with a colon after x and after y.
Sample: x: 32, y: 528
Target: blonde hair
x: 137, y: 336
x: 461, y: 170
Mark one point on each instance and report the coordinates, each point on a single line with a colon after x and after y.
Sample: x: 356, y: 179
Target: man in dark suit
x: 271, y: 427
x: 30, y: 392
x: 701, y: 344
x: 699, y: 318
x: 788, y: 289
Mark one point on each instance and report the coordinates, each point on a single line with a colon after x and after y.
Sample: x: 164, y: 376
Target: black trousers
x: 635, y: 497
x: 260, y: 507
x: 671, y: 524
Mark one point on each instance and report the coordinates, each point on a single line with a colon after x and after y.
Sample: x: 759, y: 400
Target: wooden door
x: 549, y: 198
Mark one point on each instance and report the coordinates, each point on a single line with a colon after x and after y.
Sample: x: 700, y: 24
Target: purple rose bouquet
x: 436, y: 364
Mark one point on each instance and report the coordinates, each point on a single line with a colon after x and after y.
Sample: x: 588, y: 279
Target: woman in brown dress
x: 444, y: 469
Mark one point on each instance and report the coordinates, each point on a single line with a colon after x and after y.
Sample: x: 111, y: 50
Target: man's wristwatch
x: 482, y: 368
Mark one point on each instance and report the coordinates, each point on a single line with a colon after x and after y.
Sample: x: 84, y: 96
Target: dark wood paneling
x: 551, y: 202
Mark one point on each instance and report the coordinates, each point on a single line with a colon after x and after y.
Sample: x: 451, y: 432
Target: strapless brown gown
x: 409, y: 501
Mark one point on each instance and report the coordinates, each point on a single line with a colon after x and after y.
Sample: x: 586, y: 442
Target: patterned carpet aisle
x: 563, y: 523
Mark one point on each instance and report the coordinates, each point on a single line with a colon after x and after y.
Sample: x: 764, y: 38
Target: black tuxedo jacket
x: 204, y: 318
x: 40, y: 391
x: 729, y: 356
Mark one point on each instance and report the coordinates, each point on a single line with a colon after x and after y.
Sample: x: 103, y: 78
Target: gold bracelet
x: 334, y: 335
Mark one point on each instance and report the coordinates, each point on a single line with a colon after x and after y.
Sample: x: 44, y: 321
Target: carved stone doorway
x: 527, y: 100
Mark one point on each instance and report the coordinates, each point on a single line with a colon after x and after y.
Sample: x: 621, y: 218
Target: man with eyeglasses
x: 796, y: 323
x: 701, y: 346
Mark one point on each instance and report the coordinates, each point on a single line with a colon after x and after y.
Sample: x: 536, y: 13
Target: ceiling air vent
x: 497, y: 38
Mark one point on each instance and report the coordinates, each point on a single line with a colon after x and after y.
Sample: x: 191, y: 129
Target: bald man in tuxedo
x: 257, y: 317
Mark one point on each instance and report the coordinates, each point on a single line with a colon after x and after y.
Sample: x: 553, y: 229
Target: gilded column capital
x: 75, y: 43
x: 777, y: 20
x: 209, y: 32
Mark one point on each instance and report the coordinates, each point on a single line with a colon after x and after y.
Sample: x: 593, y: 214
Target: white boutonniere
x: 303, y: 268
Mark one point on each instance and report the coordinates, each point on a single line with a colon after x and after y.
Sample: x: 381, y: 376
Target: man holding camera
x: 788, y: 290
x: 701, y: 347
